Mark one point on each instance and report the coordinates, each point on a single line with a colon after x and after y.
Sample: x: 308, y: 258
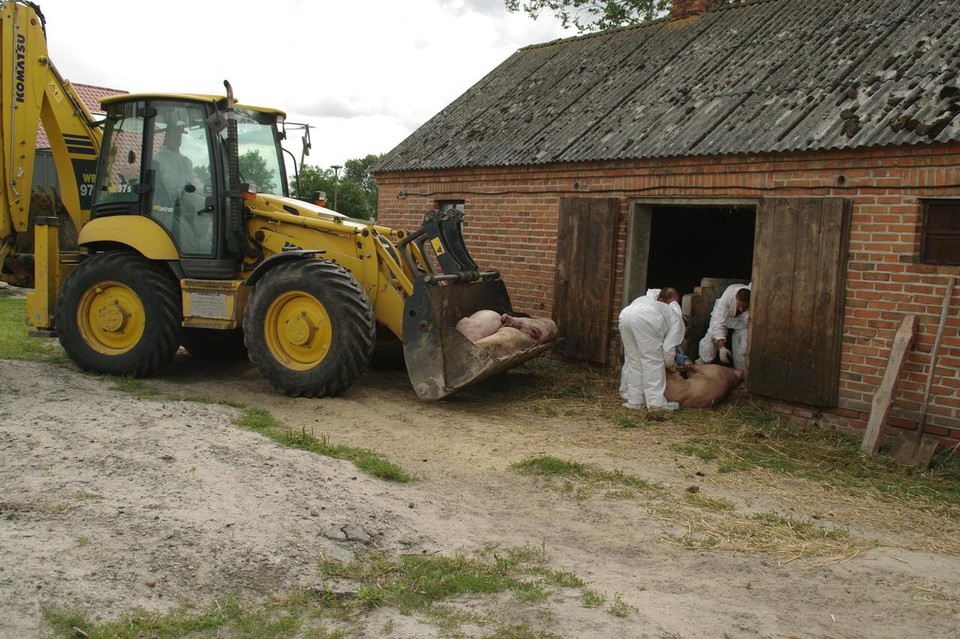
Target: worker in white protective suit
x: 730, y: 317
x: 651, y: 328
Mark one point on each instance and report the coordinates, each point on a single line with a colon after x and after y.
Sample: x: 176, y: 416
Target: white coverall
x: 650, y: 332
x: 724, y: 318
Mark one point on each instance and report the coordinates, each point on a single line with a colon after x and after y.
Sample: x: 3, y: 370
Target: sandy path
x: 110, y: 502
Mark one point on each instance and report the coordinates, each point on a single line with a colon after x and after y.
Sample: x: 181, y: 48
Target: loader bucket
x: 440, y: 360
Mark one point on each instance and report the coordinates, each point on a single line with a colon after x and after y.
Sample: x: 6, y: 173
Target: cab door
x: 156, y: 161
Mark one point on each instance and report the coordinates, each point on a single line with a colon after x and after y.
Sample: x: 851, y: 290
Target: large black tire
x: 214, y: 344
x: 120, y: 313
x: 309, y: 328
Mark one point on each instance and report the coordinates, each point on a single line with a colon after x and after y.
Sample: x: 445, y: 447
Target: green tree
x: 596, y: 15
x: 352, y: 201
x: 355, y: 193
x: 358, y: 172
x: 313, y: 179
x: 253, y: 169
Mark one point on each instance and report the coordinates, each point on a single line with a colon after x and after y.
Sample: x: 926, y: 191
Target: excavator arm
x: 31, y: 91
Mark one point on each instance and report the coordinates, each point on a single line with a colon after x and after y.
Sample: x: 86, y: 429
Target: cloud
x: 484, y: 7
x: 336, y: 106
x: 365, y: 73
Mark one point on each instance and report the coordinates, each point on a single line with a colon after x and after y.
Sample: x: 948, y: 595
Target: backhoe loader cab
x: 165, y: 158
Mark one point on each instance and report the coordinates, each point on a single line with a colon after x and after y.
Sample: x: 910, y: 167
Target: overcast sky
x: 363, y: 73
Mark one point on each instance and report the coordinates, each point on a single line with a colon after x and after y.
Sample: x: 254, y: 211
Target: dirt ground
x: 109, y: 503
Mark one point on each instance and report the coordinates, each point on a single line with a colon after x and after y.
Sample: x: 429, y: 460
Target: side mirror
x: 217, y: 121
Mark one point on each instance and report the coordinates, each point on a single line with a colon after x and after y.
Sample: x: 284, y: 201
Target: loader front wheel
x: 309, y: 328
x: 119, y: 313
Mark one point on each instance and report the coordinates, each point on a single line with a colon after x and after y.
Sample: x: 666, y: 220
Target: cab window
x: 118, y: 175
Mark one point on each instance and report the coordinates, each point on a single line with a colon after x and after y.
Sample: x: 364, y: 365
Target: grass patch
x: 743, y: 438
x: 14, y: 342
x: 279, y: 618
x: 591, y: 598
x: 409, y: 584
x: 417, y: 583
x: 257, y: 419
x: 620, y: 608
x: 628, y: 421
x: 704, y: 452
x: 263, y: 422
x: 582, y: 480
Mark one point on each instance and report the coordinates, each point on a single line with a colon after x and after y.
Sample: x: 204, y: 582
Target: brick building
x: 811, y: 146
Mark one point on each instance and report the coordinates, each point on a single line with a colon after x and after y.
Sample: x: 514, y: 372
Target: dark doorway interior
x: 688, y: 243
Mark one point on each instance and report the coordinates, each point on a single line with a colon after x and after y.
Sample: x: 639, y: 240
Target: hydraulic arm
x: 31, y: 91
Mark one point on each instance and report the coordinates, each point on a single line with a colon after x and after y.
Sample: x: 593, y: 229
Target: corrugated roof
x: 91, y: 96
x: 756, y: 77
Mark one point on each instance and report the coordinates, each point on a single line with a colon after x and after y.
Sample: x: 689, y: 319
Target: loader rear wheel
x: 119, y: 313
x: 310, y: 328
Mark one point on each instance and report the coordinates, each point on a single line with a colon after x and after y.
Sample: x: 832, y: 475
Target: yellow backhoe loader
x: 175, y: 247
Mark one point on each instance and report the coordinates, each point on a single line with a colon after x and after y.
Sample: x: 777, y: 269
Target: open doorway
x: 681, y: 245
x: 688, y: 243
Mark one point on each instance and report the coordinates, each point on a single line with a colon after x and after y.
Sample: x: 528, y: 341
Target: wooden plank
x: 583, y: 285
x: 802, y: 362
x: 771, y: 297
x: 818, y: 300
x: 883, y: 398
x: 830, y: 295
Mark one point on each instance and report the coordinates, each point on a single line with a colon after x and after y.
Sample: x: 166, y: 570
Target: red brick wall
x: 512, y: 221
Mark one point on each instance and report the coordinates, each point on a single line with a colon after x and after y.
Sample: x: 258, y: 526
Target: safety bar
x: 463, y: 276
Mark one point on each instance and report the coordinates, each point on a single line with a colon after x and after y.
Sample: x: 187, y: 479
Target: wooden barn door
x: 583, y: 288
x: 796, y: 315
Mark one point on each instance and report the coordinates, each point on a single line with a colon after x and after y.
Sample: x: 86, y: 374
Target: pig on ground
x: 704, y: 385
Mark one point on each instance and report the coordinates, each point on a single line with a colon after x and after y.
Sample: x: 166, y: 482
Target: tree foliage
x: 596, y: 15
x: 354, y: 194
x: 253, y: 169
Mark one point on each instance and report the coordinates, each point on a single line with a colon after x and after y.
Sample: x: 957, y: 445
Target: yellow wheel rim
x: 111, y: 318
x: 297, y: 330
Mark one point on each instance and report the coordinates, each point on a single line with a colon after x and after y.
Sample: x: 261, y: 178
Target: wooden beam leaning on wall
x: 883, y: 398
